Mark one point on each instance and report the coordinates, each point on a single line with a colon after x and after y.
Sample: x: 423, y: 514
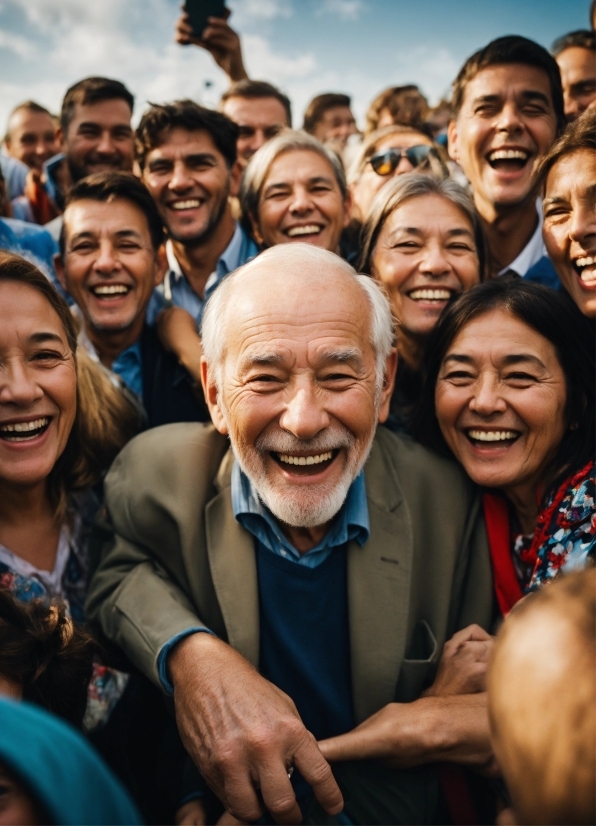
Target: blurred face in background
x: 578, y: 76
x: 370, y: 182
x: 425, y: 254
x: 336, y: 124
x: 259, y: 120
x: 31, y: 137
x: 99, y: 138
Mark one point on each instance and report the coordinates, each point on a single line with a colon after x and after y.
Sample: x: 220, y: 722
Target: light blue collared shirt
x: 129, y: 366
x: 350, y: 523
x: 176, y: 288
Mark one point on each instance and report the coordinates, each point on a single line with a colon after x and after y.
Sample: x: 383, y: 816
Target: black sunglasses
x: 386, y: 161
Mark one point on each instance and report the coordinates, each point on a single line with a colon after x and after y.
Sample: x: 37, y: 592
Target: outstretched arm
x: 219, y: 39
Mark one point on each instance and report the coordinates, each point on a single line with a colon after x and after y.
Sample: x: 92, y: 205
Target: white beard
x: 301, y: 507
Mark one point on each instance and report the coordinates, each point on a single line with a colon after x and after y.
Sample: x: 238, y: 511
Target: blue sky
x: 304, y: 46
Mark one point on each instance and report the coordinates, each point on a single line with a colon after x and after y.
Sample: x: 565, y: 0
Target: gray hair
x: 258, y: 167
x: 368, y: 147
x: 213, y: 326
x: 415, y: 185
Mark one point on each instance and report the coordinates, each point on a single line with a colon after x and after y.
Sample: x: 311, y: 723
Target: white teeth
x: 588, y: 261
x: 430, y: 295
x: 24, y: 427
x: 192, y: 203
x: 492, y: 435
x: 508, y: 155
x: 110, y: 289
x: 309, y: 229
x: 305, y: 460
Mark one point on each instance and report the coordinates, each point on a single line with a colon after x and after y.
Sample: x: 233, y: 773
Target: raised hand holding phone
x: 204, y: 23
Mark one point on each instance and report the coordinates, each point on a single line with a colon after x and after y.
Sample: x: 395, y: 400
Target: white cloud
x: 344, y: 9
x: 432, y: 69
x: 19, y: 45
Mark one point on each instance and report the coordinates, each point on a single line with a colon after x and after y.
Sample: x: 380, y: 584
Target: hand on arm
x: 243, y: 733
x: 219, y: 39
x: 177, y: 331
x: 449, y: 723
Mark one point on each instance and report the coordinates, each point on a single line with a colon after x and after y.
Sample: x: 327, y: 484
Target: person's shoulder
x: 419, y: 471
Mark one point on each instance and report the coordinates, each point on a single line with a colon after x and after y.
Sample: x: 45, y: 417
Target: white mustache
x: 284, y: 442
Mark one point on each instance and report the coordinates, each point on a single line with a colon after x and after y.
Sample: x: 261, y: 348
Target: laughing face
x: 298, y: 392
x: 505, y: 126
x: 110, y: 267
x: 190, y: 182
x: 425, y: 254
x: 301, y: 201
x: 570, y: 225
x: 37, y: 386
x: 500, y: 402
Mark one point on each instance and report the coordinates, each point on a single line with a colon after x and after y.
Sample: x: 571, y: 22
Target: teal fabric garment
x: 62, y: 770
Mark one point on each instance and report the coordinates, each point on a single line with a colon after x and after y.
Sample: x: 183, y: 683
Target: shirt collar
x: 532, y: 252
x: 228, y: 260
x: 351, y: 522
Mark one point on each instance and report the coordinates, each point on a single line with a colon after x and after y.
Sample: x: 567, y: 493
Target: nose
x: 487, y: 399
x: 571, y: 105
x: 434, y: 261
x: 180, y: 180
x: 258, y: 139
x: 508, y: 119
x: 18, y: 385
x: 304, y: 415
x: 107, y: 261
x: 403, y: 166
x: 301, y: 201
x: 583, y: 224
x: 106, y: 144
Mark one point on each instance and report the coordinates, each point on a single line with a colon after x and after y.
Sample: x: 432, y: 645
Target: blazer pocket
x: 418, y: 665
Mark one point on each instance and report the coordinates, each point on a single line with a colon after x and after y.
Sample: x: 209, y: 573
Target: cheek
x: 467, y: 272
x: 448, y: 405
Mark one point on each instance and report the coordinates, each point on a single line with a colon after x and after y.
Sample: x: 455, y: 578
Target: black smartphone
x: 200, y: 10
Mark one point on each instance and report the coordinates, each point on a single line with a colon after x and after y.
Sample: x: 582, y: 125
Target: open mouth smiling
x: 24, y: 431
x: 491, y: 438
x: 585, y: 267
x: 430, y: 294
x: 306, y: 229
x: 508, y: 160
x: 110, y: 291
x: 189, y: 203
x: 305, y: 465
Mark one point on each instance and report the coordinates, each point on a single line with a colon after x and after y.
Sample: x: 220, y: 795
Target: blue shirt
x: 129, y: 366
x: 351, y: 522
x: 176, y: 288
x: 31, y: 242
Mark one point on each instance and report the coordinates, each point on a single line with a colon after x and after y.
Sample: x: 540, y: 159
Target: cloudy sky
x: 303, y: 46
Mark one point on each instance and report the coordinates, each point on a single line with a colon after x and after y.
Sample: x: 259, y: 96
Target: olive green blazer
x: 179, y: 558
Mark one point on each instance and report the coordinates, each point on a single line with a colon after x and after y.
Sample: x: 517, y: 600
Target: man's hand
x: 453, y: 728
x: 219, y: 39
x: 244, y: 734
x: 191, y: 814
x: 463, y: 664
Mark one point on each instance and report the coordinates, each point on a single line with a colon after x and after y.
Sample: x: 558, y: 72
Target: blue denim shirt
x: 129, y: 366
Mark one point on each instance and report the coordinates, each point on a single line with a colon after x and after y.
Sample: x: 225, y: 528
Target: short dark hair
x: 555, y: 317
x: 92, y: 90
x: 108, y: 186
x: 511, y: 49
x: 319, y: 105
x: 160, y: 118
x: 46, y: 655
x: 30, y: 106
x: 580, y: 134
x: 582, y: 37
x: 248, y: 88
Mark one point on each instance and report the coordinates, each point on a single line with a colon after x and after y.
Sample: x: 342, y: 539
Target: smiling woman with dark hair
x: 509, y: 391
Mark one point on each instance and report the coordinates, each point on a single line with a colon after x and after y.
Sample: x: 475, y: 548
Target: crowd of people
x: 297, y: 451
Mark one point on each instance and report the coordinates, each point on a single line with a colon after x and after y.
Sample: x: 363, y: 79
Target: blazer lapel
x: 379, y: 576
x: 233, y: 568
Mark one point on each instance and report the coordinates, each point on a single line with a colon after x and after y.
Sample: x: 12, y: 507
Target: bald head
x: 297, y: 281
x: 542, y: 703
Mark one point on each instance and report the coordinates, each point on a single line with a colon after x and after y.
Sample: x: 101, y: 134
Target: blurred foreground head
x: 542, y: 703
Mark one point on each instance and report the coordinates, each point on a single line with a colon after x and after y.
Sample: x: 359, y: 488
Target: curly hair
x: 49, y: 659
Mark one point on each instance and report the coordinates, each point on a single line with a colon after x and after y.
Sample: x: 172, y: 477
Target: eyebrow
x: 285, y: 185
x: 40, y: 338
x: 121, y: 233
x: 559, y: 199
x: 514, y: 358
x: 349, y: 355
x: 451, y: 233
x: 529, y: 94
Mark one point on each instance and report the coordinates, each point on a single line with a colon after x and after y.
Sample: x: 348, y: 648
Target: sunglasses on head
x: 386, y: 161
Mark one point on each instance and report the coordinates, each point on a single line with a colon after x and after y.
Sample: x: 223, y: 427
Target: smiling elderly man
x: 333, y: 557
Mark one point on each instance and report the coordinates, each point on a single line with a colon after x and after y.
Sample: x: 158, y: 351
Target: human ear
x: 388, y: 384
x: 235, y: 178
x: 452, y: 141
x: 256, y: 234
x: 60, y: 271
x: 212, y: 397
x: 161, y: 265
